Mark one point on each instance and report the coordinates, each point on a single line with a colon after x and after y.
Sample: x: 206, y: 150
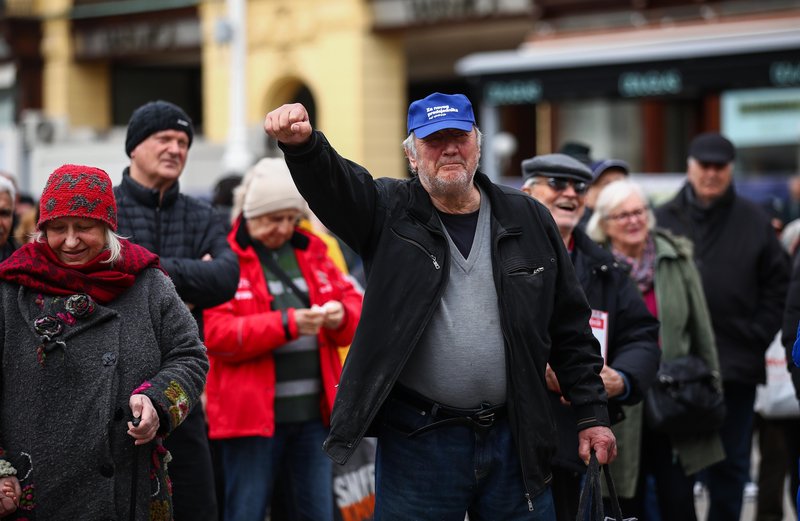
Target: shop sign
x: 784, y: 74
x: 517, y: 92
x: 650, y: 83
x: 138, y: 38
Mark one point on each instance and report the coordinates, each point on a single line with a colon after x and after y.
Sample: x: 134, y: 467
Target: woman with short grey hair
x: 662, y: 267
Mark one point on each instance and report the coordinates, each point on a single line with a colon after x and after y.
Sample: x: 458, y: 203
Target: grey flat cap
x: 556, y: 165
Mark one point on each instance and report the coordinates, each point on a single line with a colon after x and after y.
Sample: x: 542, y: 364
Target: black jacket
x: 745, y: 274
x: 791, y: 318
x: 180, y: 230
x: 632, y: 338
x: 392, y: 224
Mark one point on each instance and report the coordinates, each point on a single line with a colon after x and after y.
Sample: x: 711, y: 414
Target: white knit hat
x: 271, y: 189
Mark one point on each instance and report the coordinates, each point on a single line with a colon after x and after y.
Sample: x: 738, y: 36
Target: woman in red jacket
x: 273, y: 353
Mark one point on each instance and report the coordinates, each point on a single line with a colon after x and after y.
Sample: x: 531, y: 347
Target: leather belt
x: 479, y: 419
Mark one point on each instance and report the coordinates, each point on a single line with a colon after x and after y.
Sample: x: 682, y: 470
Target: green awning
x: 123, y: 7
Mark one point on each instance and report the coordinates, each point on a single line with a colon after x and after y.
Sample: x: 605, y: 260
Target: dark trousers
x: 726, y: 479
x: 779, y: 447
x: 449, y: 471
x: 566, y: 487
x: 193, y: 494
x: 674, y: 489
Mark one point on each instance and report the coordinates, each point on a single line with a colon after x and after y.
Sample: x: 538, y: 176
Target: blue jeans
x: 726, y: 479
x: 449, y: 471
x: 252, y: 463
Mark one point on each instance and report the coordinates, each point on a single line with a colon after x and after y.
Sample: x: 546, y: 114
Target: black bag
x: 590, y: 505
x: 684, y: 399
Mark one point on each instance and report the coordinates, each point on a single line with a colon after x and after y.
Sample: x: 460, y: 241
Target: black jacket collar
x: 150, y: 197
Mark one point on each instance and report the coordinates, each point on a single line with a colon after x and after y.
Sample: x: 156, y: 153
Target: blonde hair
x: 613, y: 195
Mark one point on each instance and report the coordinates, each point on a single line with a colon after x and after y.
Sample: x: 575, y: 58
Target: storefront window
x: 764, y: 124
x: 612, y: 128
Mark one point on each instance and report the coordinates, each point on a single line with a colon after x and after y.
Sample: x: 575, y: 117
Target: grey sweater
x: 64, y: 402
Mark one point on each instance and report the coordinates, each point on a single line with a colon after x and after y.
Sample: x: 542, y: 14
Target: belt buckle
x: 485, y: 417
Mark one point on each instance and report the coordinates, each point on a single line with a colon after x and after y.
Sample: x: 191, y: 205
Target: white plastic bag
x: 777, y: 398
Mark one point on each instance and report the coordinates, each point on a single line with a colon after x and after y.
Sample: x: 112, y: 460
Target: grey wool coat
x: 64, y: 401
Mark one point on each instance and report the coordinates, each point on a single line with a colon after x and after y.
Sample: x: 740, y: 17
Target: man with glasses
x: 745, y: 274
x: 627, y: 332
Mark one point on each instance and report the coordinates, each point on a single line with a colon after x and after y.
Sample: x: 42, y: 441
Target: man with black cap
x: 189, y: 237
x: 627, y: 331
x: 745, y: 274
x: 471, y: 293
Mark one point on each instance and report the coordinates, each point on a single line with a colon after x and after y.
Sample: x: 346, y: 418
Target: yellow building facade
x: 356, y: 78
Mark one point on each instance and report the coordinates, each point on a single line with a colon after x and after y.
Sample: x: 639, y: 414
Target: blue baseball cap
x: 440, y: 111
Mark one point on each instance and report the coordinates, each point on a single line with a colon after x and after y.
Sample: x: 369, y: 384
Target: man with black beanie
x: 189, y: 237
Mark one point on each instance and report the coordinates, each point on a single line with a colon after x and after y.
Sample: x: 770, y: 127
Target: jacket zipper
x: 421, y: 247
x: 396, y: 374
x: 510, y: 356
x: 158, y: 229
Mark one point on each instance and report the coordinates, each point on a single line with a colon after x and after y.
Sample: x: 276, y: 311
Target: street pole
x: 237, y: 158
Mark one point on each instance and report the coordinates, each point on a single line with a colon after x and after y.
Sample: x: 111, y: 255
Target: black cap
x: 578, y: 150
x: 599, y: 168
x: 712, y: 148
x: 556, y: 165
x: 153, y: 117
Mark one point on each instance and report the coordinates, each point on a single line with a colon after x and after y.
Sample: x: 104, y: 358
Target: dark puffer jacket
x: 180, y: 230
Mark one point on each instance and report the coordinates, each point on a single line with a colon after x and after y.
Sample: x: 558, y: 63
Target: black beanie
x: 153, y: 117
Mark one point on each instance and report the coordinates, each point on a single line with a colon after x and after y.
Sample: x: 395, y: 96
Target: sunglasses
x: 559, y: 184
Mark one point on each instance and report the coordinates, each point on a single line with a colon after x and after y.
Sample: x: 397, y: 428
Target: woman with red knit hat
x: 101, y: 360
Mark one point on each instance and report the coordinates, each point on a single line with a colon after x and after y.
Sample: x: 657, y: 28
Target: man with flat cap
x: 627, y: 331
x: 189, y: 237
x: 471, y: 293
x: 745, y: 274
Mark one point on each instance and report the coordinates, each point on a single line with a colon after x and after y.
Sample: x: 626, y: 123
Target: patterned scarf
x: 36, y: 266
x: 642, y: 270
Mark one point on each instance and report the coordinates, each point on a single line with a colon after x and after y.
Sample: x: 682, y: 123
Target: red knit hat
x: 78, y: 191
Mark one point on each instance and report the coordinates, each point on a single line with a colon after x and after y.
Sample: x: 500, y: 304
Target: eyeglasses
x: 560, y: 184
x: 625, y: 216
x: 6, y: 213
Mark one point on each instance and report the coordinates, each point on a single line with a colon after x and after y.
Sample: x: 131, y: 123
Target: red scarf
x: 36, y: 266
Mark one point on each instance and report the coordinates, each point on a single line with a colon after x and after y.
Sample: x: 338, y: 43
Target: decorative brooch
x: 50, y: 326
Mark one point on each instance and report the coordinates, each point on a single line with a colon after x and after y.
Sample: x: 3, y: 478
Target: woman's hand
x: 10, y: 493
x: 309, y: 320
x: 334, y: 314
x: 142, y: 408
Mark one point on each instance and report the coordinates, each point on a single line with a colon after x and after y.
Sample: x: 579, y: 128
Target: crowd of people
x: 186, y: 361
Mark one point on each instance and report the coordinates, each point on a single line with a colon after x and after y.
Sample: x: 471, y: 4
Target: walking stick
x: 134, y: 473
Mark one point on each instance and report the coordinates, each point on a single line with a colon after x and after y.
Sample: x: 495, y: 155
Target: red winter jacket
x: 241, y: 334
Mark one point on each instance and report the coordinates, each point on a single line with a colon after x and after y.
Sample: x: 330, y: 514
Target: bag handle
x: 592, y: 497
